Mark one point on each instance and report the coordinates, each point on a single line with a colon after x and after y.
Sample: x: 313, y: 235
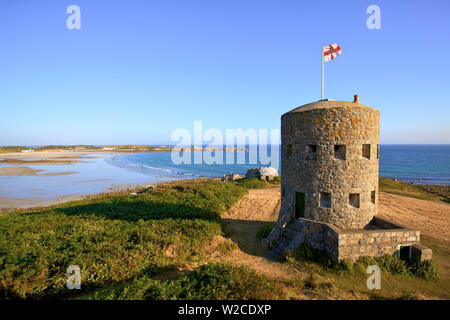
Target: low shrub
x: 306, y: 252
x: 392, y: 264
x: 276, y: 179
x: 212, y: 281
x: 426, y: 269
x: 251, y: 183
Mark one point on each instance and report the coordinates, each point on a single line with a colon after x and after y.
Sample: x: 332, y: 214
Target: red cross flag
x: 330, y: 52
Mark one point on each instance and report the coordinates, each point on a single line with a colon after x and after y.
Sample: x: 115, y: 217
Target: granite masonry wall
x: 352, y: 244
x: 330, y: 153
x: 329, y: 165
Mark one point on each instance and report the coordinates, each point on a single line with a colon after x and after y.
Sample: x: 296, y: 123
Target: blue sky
x: 137, y: 70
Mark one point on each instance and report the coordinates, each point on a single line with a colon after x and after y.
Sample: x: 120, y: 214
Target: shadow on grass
x: 244, y: 234
x: 135, y: 210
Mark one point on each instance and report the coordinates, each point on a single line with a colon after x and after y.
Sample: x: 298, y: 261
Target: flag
x: 330, y: 52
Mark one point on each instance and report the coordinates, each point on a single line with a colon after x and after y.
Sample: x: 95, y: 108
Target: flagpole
x: 321, y: 50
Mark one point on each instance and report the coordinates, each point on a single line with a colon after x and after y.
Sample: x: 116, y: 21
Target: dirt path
x: 242, y: 223
x: 432, y: 218
x: 246, y: 217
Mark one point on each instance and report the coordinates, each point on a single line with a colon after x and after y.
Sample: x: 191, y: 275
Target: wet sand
x: 39, y: 161
x: 35, y: 202
x: 26, y: 171
x: 54, y: 154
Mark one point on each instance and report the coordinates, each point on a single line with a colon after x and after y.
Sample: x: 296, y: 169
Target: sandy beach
x: 51, y: 177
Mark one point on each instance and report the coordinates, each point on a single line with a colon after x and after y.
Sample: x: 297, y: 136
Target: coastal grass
x: 410, y: 190
x: 12, y: 149
x: 216, y: 281
x: 156, y: 244
x: 399, y: 279
x: 113, y: 238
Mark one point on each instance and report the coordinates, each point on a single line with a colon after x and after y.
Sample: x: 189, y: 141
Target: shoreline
x: 67, y: 158
x: 30, y: 203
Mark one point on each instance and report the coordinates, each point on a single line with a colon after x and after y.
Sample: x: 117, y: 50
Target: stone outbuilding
x: 329, y: 185
x: 263, y: 173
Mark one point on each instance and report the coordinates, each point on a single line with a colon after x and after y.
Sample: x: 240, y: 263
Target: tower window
x: 366, y: 151
x: 311, y: 152
x: 339, y: 151
x: 354, y: 199
x: 378, y: 151
x: 289, y: 150
x: 372, y: 197
x: 325, y: 200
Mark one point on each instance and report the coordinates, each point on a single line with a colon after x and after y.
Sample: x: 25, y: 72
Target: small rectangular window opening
x: 289, y: 150
x: 366, y: 151
x: 378, y: 151
x: 311, y: 152
x: 354, y: 200
x: 372, y: 197
x: 325, y: 200
x: 339, y: 152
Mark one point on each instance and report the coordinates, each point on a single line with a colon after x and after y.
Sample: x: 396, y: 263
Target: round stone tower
x: 329, y: 163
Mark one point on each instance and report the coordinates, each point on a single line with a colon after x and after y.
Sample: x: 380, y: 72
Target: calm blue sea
x: 426, y: 164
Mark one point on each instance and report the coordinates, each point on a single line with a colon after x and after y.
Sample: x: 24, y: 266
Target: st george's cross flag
x: 330, y: 52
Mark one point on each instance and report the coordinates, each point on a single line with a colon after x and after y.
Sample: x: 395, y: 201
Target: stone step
x: 284, y: 242
x: 289, y: 234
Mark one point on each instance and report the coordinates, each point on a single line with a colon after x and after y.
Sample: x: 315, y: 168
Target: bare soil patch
x: 432, y: 218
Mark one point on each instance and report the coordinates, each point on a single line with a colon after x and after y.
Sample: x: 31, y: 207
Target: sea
x: 424, y: 164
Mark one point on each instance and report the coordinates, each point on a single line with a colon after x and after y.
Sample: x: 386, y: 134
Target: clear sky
x: 137, y: 70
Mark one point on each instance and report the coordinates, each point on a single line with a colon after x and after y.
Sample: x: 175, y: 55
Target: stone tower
x: 329, y: 166
x: 329, y: 186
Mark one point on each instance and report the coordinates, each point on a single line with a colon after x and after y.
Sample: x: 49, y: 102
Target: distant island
x: 110, y: 148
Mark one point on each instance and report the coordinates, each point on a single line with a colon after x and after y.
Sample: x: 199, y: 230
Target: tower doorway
x: 299, y: 205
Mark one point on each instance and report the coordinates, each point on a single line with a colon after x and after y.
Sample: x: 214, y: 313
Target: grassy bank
x: 158, y: 244
x: 114, y: 239
x: 429, y: 192
x: 399, y: 279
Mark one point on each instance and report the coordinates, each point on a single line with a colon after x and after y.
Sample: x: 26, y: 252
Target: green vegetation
x: 11, y: 149
x: 255, y: 183
x: 399, y: 279
x: 411, y: 190
x: 113, y: 238
x: 211, y: 281
x: 157, y: 244
x: 389, y: 263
